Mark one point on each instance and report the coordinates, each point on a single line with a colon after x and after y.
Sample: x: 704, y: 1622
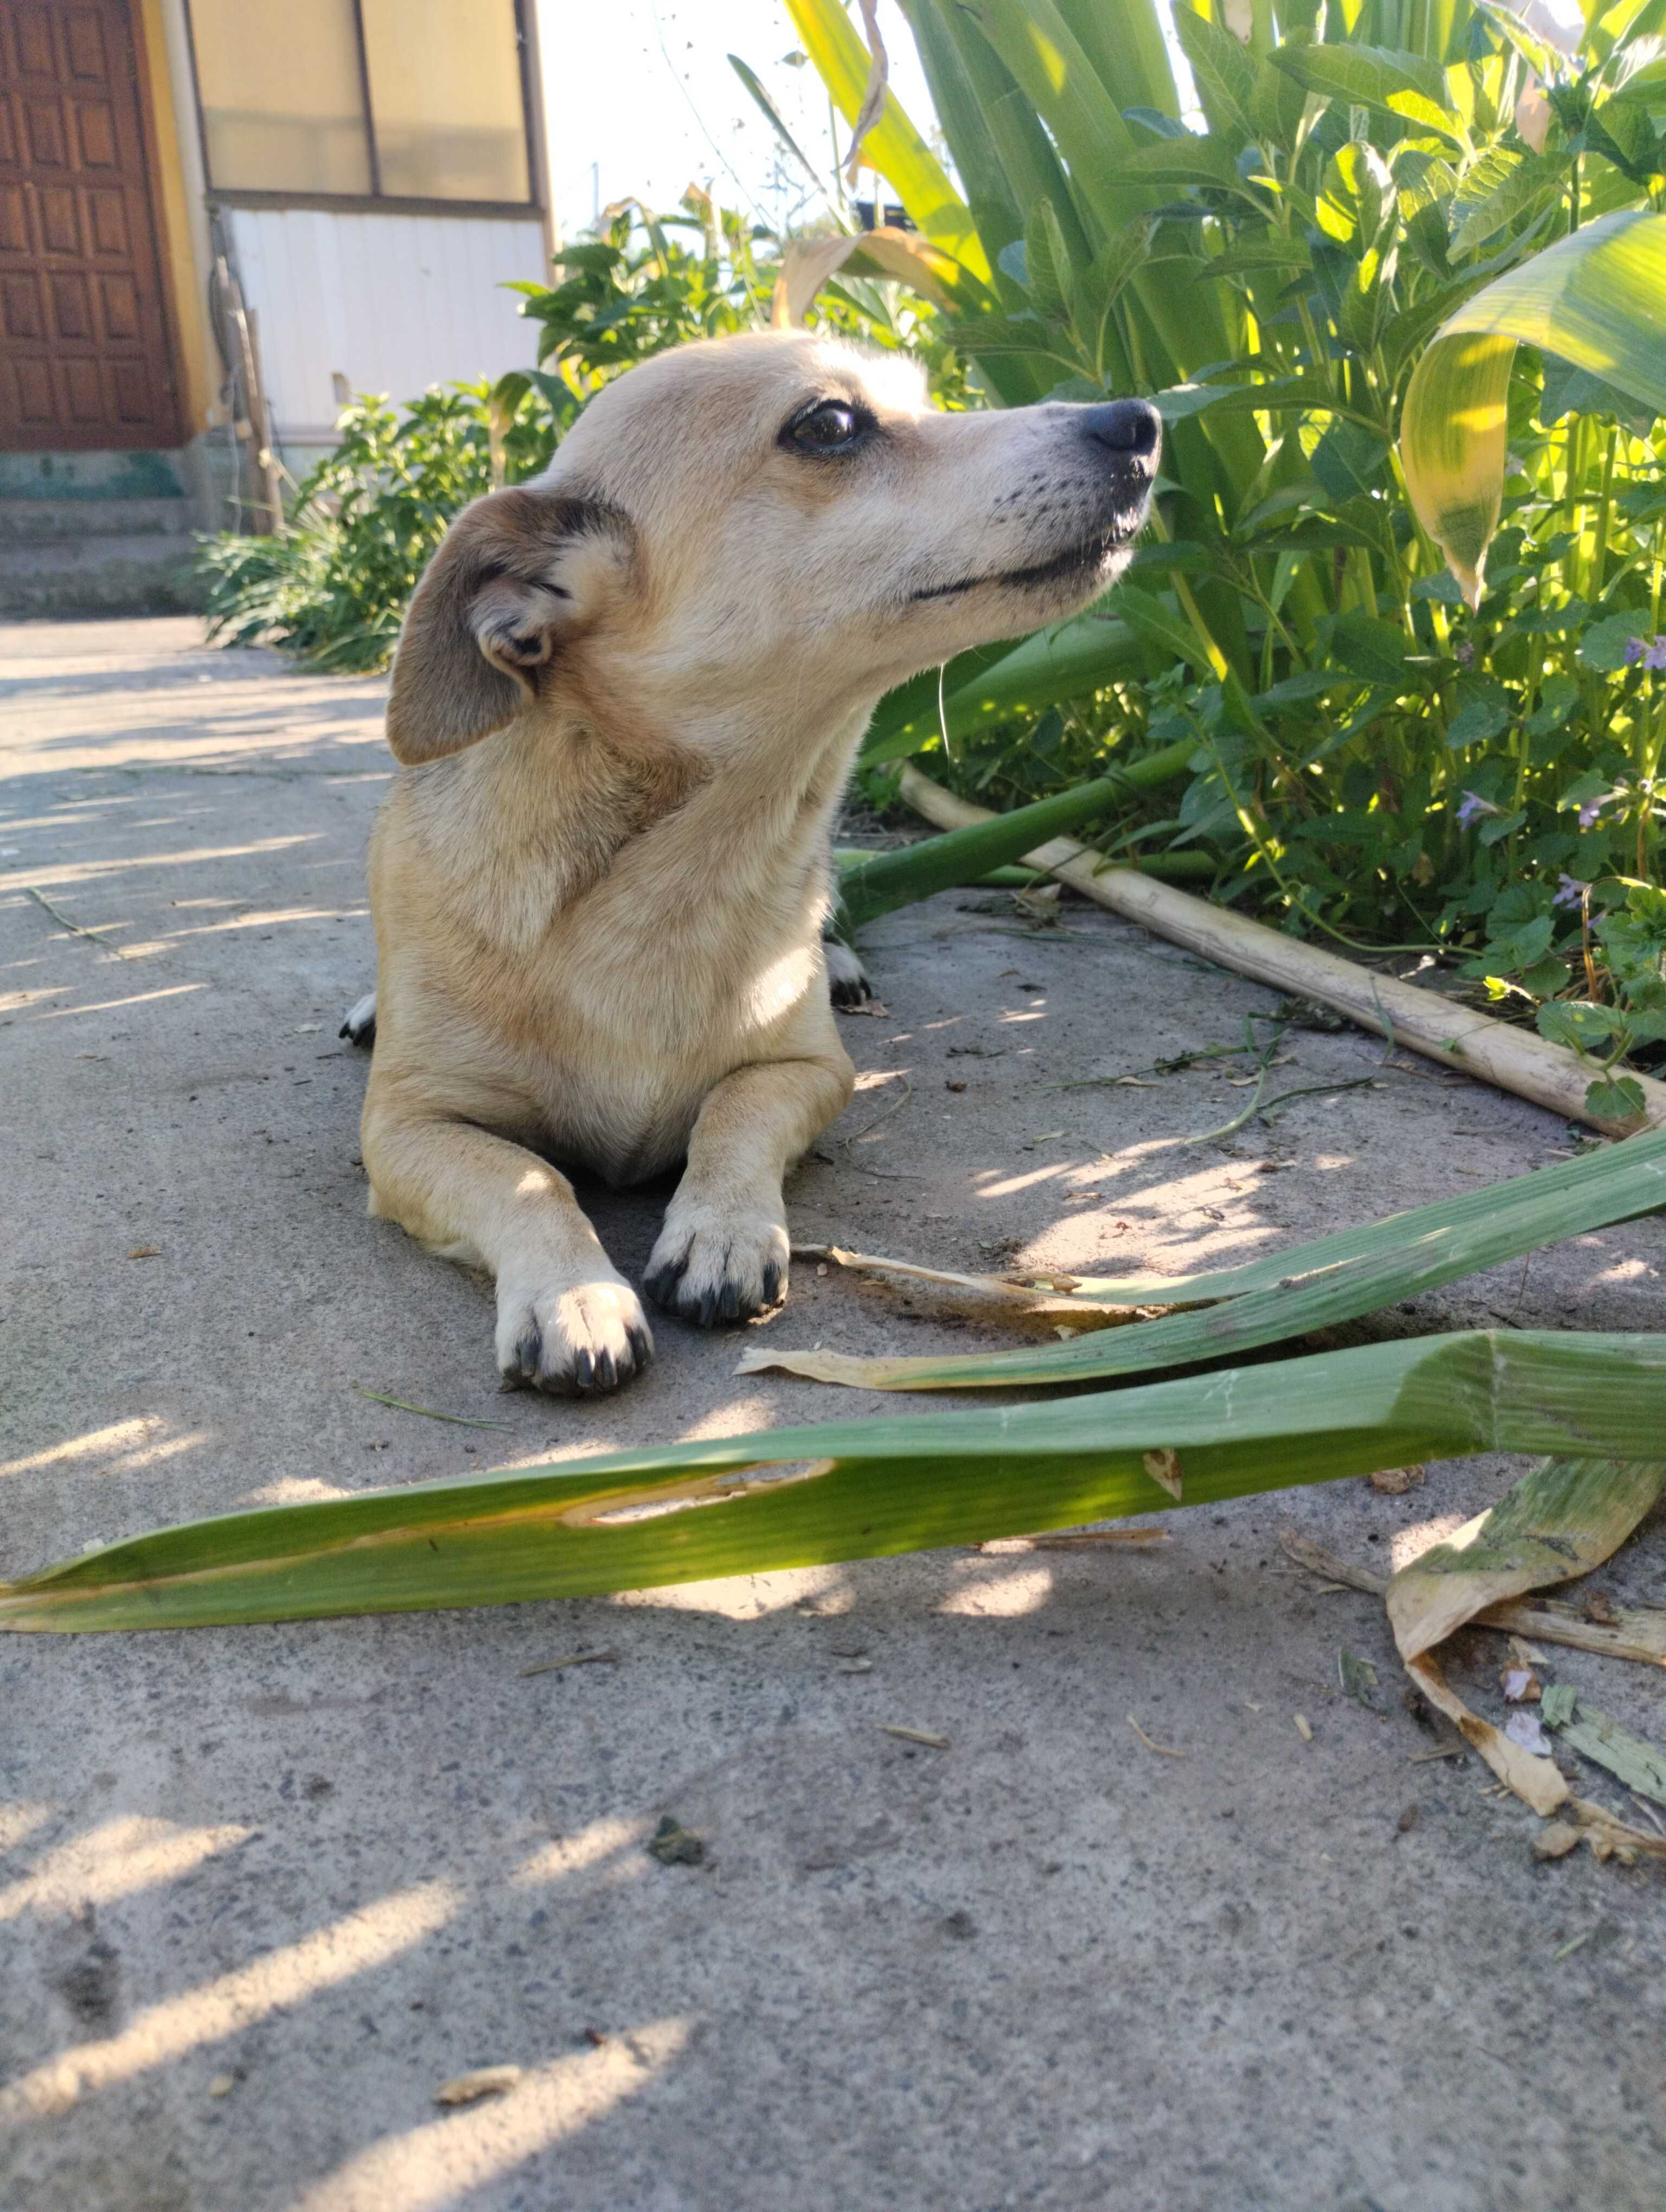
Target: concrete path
x: 262, y: 1892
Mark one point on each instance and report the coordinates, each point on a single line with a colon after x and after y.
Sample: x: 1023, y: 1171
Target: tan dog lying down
x: 625, y: 702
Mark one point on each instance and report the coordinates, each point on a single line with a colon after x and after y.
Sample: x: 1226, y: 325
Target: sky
x: 640, y: 101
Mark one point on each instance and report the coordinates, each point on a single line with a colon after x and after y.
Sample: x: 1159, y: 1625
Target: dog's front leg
x: 566, y: 1320
x: 723, y: 1252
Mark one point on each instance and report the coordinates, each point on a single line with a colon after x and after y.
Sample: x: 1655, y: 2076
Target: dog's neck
x: 558, y: 806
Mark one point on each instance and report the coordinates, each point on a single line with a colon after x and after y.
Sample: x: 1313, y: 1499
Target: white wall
x: 392, y: 302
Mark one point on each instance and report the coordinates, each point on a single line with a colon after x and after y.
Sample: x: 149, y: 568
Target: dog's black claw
x: 584, y: 1370
x: 607, y: 1375
x: 661, y: 1284
x: 523, y: 1367
x: 729, y: 1304
x: 772, y: 1283
x: 642, y: 1347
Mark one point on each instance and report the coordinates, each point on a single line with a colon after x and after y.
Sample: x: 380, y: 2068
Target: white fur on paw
x: 575, y: 1339
x: 847, y: 978
x: 710, y: 1266
x: 359, y: 1027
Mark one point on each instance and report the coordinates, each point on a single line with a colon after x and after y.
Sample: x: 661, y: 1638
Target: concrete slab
x: 263, y: 1891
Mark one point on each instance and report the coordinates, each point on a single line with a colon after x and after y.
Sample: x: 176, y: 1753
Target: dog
x: 625, y: 701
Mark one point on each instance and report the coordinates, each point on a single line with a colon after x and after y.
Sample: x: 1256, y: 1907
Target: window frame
x: 376, y: 200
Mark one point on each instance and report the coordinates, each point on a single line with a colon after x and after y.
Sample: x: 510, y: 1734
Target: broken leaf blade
x: 1294, y: 1293
x: 1560, y: 1521
x: 864, y: 1488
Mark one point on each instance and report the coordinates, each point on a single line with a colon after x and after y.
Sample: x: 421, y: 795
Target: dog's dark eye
x: 827, y: 429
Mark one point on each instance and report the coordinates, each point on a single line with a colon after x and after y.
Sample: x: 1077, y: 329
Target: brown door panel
x: 84, y: 339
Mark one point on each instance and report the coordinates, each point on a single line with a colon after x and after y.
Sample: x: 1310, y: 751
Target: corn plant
x: 1380, y: 750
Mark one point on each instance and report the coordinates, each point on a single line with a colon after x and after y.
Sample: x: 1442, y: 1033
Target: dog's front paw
x: 847, y: 979
x: 575, y: 1339
x: 711, y: 1267
x: 359, y: 1027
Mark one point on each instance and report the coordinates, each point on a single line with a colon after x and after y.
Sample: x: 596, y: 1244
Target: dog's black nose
x: 1132, y: 427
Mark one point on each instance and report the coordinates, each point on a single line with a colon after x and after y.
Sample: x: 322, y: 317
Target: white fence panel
x: 392, y: 302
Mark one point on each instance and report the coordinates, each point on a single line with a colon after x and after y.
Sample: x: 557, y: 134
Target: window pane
x: 444, y: 91
x: 282, y: 107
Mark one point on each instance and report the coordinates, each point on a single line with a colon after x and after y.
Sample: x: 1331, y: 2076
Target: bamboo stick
x: 1473, y: 1043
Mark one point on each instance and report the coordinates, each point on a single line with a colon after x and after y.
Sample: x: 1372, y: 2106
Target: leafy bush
x: 334, y: 585
x: 1373, y: 760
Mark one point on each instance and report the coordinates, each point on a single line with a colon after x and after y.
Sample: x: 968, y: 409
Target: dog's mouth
x: 1081, y: 561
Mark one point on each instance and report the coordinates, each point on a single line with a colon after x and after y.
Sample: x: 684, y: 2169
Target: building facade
x: 219, y: 219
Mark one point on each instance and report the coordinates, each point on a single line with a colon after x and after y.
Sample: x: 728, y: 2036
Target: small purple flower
x: 1570, y: 891
x: 1473, y: 808
x: 1650, y: 651
x: 1590, y: 810
x: 1655, y: 657
x: 1635, y: 649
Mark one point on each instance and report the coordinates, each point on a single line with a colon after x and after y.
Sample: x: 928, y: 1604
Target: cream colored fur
x: 627, y: 698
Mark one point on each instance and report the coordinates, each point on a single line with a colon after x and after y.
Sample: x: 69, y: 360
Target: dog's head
x: 760, y: 523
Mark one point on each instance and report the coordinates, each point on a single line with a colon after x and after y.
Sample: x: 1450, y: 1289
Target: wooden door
x: 84, y: 355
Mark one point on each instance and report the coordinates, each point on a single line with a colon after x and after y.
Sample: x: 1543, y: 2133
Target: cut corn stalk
x: 1291, y: 1293
x: 876, y: 884
x: 1475, y: 1044
x: 865, y: 1489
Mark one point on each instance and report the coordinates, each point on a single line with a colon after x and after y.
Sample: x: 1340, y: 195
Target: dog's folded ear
x: 518, y: 576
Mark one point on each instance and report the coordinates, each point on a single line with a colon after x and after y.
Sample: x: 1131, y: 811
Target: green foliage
x: 335, y: 585
x: 1372, y: 760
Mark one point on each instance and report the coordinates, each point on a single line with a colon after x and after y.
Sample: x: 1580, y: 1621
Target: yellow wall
x: 182, y: 226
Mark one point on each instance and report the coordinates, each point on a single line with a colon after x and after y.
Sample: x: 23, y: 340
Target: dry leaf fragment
x: 1357, y: 1678
x: 1596, y: 1607
x: 1165, y: 1750
x: 855, y: 1667
x: 1561, y: 1520
x: 146, y: 1252
x: 1163, y: 1468
x: 484, y: 2081
x: 1639, y: 1765
x: 573, y: 1659
x: 1081, y: 1540
x: 1555, y: 1841
x: 222, y: 2085
x: 915, y: 1736
x: 1537, y: 1782
x: 1409, y: 1818
x: 673, y: 1844
x: 1395, y: 1481
x: 1304, y: 1728
x: 1520, y: 1684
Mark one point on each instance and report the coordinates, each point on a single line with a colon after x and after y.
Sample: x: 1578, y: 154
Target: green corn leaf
x: 1337, y: 1279
x: 991, y: 685
x: 893, y: 146
x: 1597, y: 298
x: 866, y: 1489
